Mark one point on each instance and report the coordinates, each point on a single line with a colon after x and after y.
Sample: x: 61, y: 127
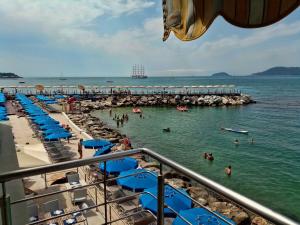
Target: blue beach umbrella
x: 36, y: 113
x: 50, y: 126
x: 118, y: 165
x: 95, y: 143
x: 143, y: 179
x: 3, y: 118
x: 41, y: 117
x: 175, y: 198
x: 101, y: 151
x: 57, y: 136
x: 44, y: 122
x: 54, y: 131
x: 198, y: 216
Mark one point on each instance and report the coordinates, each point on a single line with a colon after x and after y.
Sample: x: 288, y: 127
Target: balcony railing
x: 235, y: 198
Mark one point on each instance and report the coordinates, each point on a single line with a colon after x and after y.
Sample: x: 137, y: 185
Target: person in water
x: 205, y: 155
x: 228, y: 170
x: 236, y: 142
x: 210, y: 157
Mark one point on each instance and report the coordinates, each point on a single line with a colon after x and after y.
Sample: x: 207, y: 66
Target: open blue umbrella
x: 118, y: 165
x: 143, y: 179
x: 175, y: 198
x: 54, y: 131
x: 101, y: 151
x: 198, y: 216
x: 57, y: 136
x: 95, y: 143
x: 50, y: 126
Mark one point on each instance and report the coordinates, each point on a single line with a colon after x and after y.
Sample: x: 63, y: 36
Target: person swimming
x: 237, y: 142
x: 210, y: 157
x: 228, y: 170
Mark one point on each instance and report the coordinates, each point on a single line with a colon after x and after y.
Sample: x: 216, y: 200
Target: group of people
x: 210, y: 157
x: 120, y: 119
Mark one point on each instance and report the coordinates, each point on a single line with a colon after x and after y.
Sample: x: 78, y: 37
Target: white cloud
x: 65, y: 23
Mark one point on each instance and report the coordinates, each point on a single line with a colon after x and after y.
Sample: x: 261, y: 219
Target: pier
x: 219, y: 90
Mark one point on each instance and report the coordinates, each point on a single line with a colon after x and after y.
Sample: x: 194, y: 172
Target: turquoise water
x: 267, y: 171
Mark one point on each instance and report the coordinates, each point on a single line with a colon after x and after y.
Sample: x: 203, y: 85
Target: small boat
x: 236, y: 130
x: 21, y: 82
x: 109, y: 81
x: 182, y: 108
x: 136, y: 110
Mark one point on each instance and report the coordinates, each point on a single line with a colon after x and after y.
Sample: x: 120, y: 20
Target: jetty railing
x: 125, y: 90
x: 235, y: 198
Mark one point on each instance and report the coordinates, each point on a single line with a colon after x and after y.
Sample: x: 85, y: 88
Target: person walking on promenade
x: 80, y: 148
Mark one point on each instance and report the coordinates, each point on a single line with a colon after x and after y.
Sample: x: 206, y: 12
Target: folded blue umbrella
x: 101, y: 151
x: 44, y: 122
x: 3, y: 118
x: 142, y: 179
x: 42, y: 117
x: 57, y: 136
x: 50, y: 126
x: 95, y: 143
x: 175, y: 198
x: 54, y: 131
x: 118, y: 165
x: 198, y: 216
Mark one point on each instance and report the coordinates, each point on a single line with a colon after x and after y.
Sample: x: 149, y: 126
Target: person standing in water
x: 228, y: 170
x: 236, y: 142
x: 110, y: 112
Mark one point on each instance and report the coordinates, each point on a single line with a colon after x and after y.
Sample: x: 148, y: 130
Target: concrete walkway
x: 9, y: 162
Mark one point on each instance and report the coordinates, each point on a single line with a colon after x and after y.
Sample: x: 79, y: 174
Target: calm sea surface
x: 267, y: 171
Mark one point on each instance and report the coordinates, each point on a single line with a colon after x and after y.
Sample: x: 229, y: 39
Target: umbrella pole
x: 160, y: 200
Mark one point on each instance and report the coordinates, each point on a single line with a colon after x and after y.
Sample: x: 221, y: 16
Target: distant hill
x: 280, y: 70
x: 8, y: 75
x: 221, y: 75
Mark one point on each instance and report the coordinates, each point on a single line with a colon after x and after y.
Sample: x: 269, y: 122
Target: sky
x: 105, y: 38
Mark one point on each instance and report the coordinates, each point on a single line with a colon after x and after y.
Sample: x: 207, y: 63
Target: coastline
x: 87, y: 126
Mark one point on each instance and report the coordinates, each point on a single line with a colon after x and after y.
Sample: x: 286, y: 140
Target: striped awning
x: 189, y: 19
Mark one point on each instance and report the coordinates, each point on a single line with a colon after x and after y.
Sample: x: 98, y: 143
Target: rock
x: 196, y: 192
x: 176, y: 183
x: 231, y: 211
x: 202, y: 201
x: 259, y: 221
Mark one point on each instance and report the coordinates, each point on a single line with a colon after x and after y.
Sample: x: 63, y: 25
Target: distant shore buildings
x: 138, y: 72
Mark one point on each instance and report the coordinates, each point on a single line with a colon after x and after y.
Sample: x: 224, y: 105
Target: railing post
x: 45, y: 179
x: 160, y: 200
x: 161, y: 168
x: 5, y: 206
x: 105, y: 197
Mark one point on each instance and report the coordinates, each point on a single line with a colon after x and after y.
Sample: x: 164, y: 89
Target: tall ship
x: 138, y: 72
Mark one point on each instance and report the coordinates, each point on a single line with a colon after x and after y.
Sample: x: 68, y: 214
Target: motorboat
x: 136, y: 110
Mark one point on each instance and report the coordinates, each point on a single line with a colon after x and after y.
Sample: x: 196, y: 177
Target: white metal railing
x: 234, y: 197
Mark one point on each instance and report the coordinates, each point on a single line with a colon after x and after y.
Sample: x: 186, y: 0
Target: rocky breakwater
x: 95, y: 127
x: 165, y: 100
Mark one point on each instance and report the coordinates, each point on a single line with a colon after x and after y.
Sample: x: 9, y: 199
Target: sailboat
x: 138, y: 72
